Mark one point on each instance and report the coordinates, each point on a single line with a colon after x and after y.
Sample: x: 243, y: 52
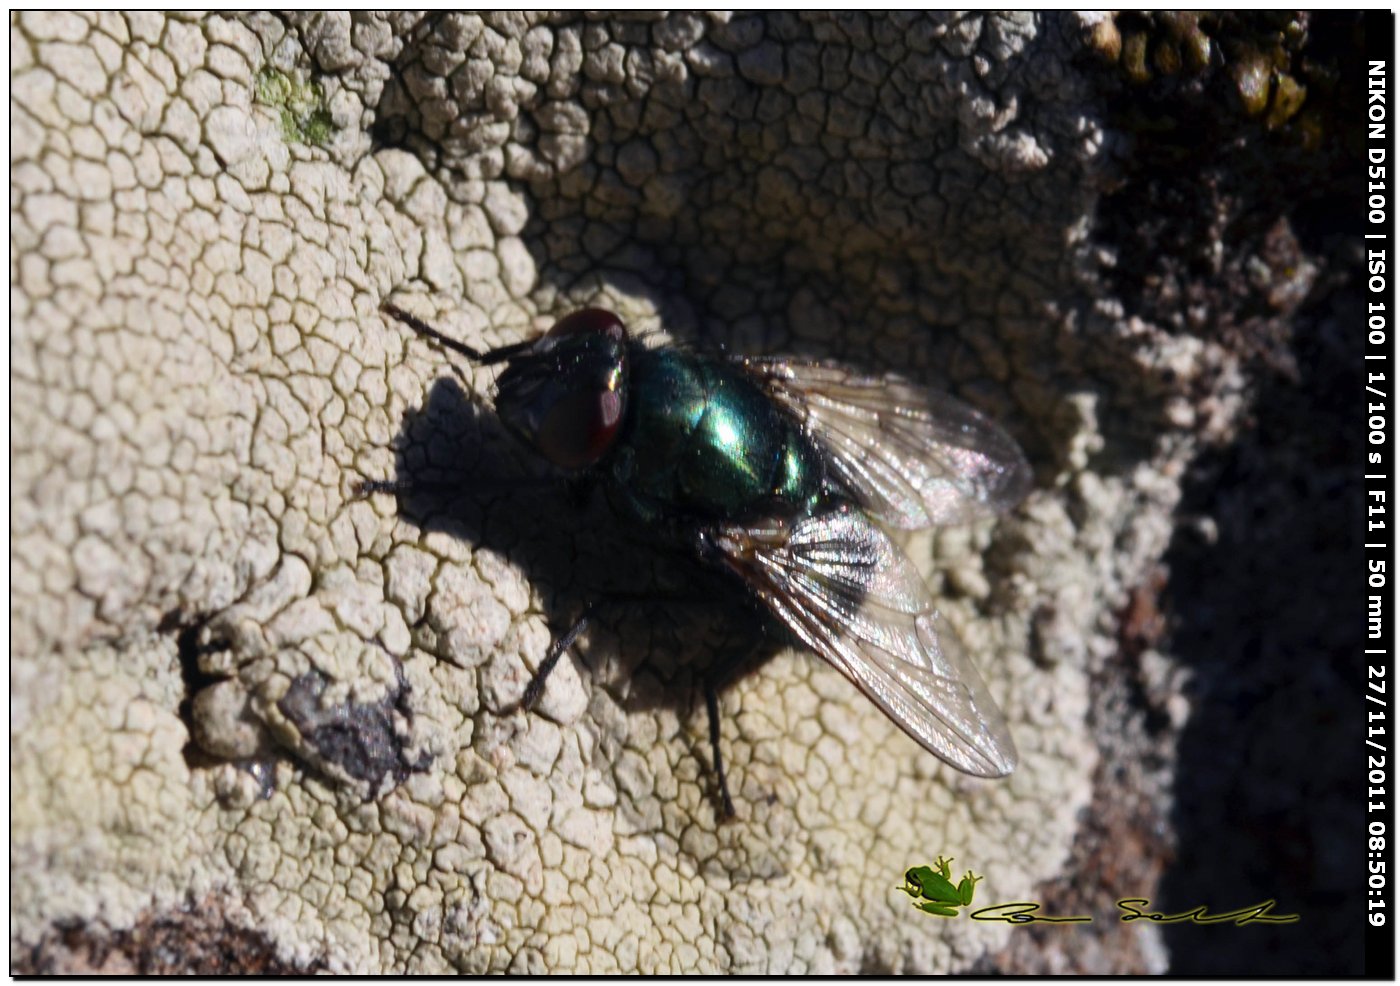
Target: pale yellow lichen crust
x: 200, y: 373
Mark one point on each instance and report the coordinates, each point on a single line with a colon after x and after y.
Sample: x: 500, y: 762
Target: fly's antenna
x: 475, y: 355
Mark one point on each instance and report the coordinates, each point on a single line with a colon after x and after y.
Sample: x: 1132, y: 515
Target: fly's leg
x: 485, y: 358
x: 712, y: 707
x: 364, y: 488
x: 715, y: 679
x: 535, y: 688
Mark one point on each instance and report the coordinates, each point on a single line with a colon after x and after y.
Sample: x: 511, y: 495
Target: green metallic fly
x: 777, y: 470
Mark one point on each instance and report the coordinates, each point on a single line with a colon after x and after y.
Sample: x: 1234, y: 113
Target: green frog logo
x: 933, y: 890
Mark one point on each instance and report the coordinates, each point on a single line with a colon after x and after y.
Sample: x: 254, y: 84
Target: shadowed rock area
x: 235, y: 682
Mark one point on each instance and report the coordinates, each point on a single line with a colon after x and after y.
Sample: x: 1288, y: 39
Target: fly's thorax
x: 703, y: 439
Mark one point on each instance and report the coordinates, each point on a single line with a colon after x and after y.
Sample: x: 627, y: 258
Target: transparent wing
x: 913, y: 456
x: 839, y: 583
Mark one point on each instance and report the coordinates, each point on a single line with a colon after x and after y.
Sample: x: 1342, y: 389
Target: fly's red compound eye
x: 566, y: 394
x: 589, y: 321
x: 581, y: 424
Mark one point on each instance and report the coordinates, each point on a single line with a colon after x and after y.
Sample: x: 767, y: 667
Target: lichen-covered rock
x: 231, y: 679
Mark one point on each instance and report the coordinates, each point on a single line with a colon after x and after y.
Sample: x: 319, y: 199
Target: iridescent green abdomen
x: 703, y: 439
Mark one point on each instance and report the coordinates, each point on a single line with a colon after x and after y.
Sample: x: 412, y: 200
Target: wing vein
x: 848, y: 592
x: 913, y: 456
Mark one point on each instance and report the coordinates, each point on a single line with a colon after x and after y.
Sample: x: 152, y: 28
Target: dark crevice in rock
x: 368, y: 742
x: 189, y: 648
x: 197, y: 940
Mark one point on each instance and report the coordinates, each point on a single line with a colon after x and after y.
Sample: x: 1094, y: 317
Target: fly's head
x: 564, y: 396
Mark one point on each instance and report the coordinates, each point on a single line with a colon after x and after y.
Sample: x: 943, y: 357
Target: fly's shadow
x: 660, y: 620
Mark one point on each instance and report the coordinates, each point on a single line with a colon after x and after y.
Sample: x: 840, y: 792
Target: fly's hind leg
x: 716, y: 678
x: 712, y: 707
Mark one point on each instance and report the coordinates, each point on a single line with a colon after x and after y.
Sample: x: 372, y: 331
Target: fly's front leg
x: 498, y: 355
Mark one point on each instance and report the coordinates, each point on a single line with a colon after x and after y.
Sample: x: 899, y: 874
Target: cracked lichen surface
x: 231, y: 677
